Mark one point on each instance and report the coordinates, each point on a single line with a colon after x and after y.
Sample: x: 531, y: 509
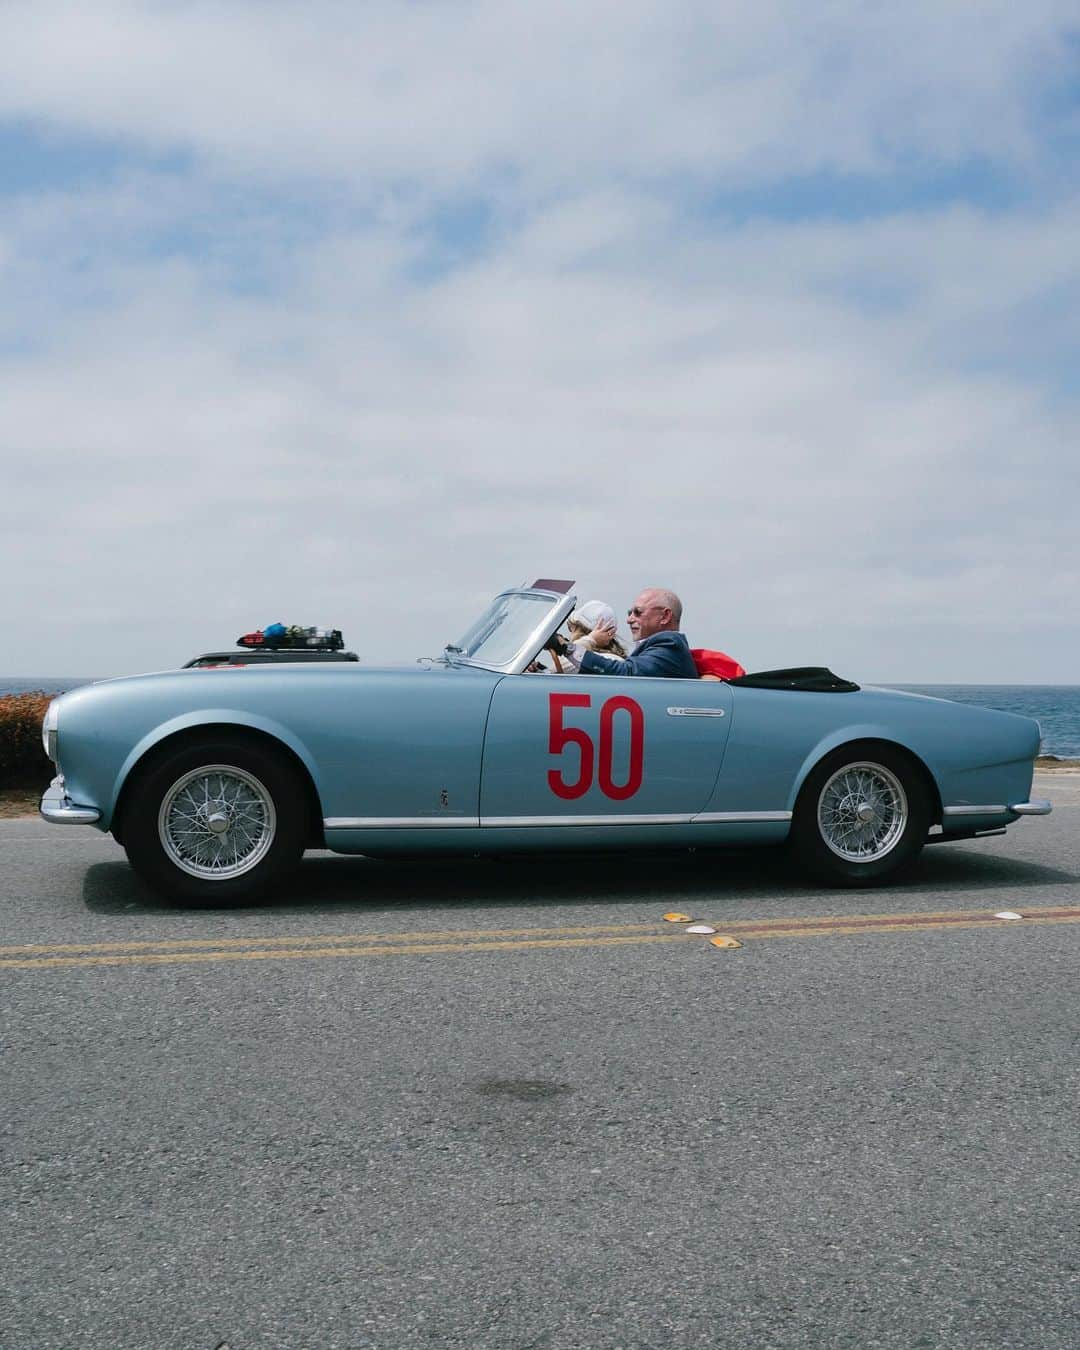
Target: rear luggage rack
x: 810, y: 679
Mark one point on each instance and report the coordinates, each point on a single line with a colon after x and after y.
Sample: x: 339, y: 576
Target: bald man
x: 661, y: 650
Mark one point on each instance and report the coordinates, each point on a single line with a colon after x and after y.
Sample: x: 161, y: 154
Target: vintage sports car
x: 216, y: 780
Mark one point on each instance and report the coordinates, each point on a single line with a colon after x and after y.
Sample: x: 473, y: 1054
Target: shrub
x: 23, y: 763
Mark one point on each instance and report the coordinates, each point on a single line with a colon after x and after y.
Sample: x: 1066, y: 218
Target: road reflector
x: 700, y: 928
x: 675, y: 917
x: 723, y: 941
x: 1008, y: 914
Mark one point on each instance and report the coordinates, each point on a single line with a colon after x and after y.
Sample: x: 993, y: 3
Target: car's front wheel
x: 862, y: 816
x: 217, y: 820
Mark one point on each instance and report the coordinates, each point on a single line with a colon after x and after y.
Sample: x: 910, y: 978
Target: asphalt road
x: 507, y: 1105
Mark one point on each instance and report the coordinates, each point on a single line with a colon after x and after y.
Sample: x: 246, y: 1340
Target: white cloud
x: 452, y: 93
x: 226, y: 400
x: 764, y: 447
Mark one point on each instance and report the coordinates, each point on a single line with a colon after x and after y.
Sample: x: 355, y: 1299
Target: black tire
x: 216, y: 820
x: 843, y: 848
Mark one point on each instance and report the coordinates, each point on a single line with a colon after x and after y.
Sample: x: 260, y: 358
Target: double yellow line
x: 190, y: 951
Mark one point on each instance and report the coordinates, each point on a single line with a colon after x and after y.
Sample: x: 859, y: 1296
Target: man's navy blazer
x: 662, y: 654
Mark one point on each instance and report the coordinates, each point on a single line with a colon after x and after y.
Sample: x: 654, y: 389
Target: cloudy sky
x: 356, y: 313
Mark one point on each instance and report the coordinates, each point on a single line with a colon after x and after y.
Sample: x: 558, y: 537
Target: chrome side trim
x: 695, y: 712
x: 738, y: 817
x: 705, y: 818
x: 1039, y: 806
x: 518, y: 822
x: 546, y: 822
x: 974, y: 810
x: 400, y: 822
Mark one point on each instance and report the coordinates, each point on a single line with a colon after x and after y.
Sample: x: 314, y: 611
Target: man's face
x: 646, y: 617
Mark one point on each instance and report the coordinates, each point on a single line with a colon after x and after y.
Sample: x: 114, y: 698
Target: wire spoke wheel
x: 217, y: 819
x: 862, y: 812
x: 216, y: 822
x: 862, y: 815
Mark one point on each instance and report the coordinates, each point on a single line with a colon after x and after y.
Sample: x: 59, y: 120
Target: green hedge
x: 23, y: 763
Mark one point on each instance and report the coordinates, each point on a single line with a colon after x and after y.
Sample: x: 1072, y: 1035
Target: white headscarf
x: 592, y: 614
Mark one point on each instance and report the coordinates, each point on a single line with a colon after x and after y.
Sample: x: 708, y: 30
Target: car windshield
x: 503, y: 629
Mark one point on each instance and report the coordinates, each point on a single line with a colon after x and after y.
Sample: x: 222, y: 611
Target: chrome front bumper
x: 58, y: 808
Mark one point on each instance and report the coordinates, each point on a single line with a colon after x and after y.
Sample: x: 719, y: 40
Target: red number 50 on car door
x: 620, y: 717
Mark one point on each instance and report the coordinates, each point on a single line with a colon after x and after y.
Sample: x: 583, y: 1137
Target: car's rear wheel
x: 862, y: 816
x: 218, y: 820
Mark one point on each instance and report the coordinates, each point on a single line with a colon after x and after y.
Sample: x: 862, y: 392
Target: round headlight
x: 49, y: 727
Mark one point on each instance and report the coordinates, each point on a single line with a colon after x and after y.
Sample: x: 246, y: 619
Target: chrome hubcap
x: 862, y: 812
x: 217, y: 821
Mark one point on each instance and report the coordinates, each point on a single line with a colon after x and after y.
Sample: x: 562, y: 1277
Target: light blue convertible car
x: 215, y: 781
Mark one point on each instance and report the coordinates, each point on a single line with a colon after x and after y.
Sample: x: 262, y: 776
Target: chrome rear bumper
x: 1039, y: 807
x: 58, y: 808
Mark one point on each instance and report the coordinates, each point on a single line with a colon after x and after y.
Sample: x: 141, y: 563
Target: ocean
x: 1057, y: 706
x: 46, y: 684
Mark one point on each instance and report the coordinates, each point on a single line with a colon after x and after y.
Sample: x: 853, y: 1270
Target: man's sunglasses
x: 637, y: 611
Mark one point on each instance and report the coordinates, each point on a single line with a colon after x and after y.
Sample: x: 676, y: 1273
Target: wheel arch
x: 867, y: 741
x: 152, y: 750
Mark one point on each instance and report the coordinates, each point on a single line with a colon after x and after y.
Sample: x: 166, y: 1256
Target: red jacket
x: 716, y: 663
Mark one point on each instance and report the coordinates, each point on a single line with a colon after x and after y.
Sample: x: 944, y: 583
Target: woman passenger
x: 594, y: 626
x: 594, y: 615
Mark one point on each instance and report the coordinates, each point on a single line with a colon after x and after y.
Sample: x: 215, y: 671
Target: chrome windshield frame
x: 562, y: 607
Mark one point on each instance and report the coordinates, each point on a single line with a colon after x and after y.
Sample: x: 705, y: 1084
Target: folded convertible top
x: 811, y: 679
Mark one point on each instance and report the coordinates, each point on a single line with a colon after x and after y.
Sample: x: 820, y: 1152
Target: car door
x: 599, y: 749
